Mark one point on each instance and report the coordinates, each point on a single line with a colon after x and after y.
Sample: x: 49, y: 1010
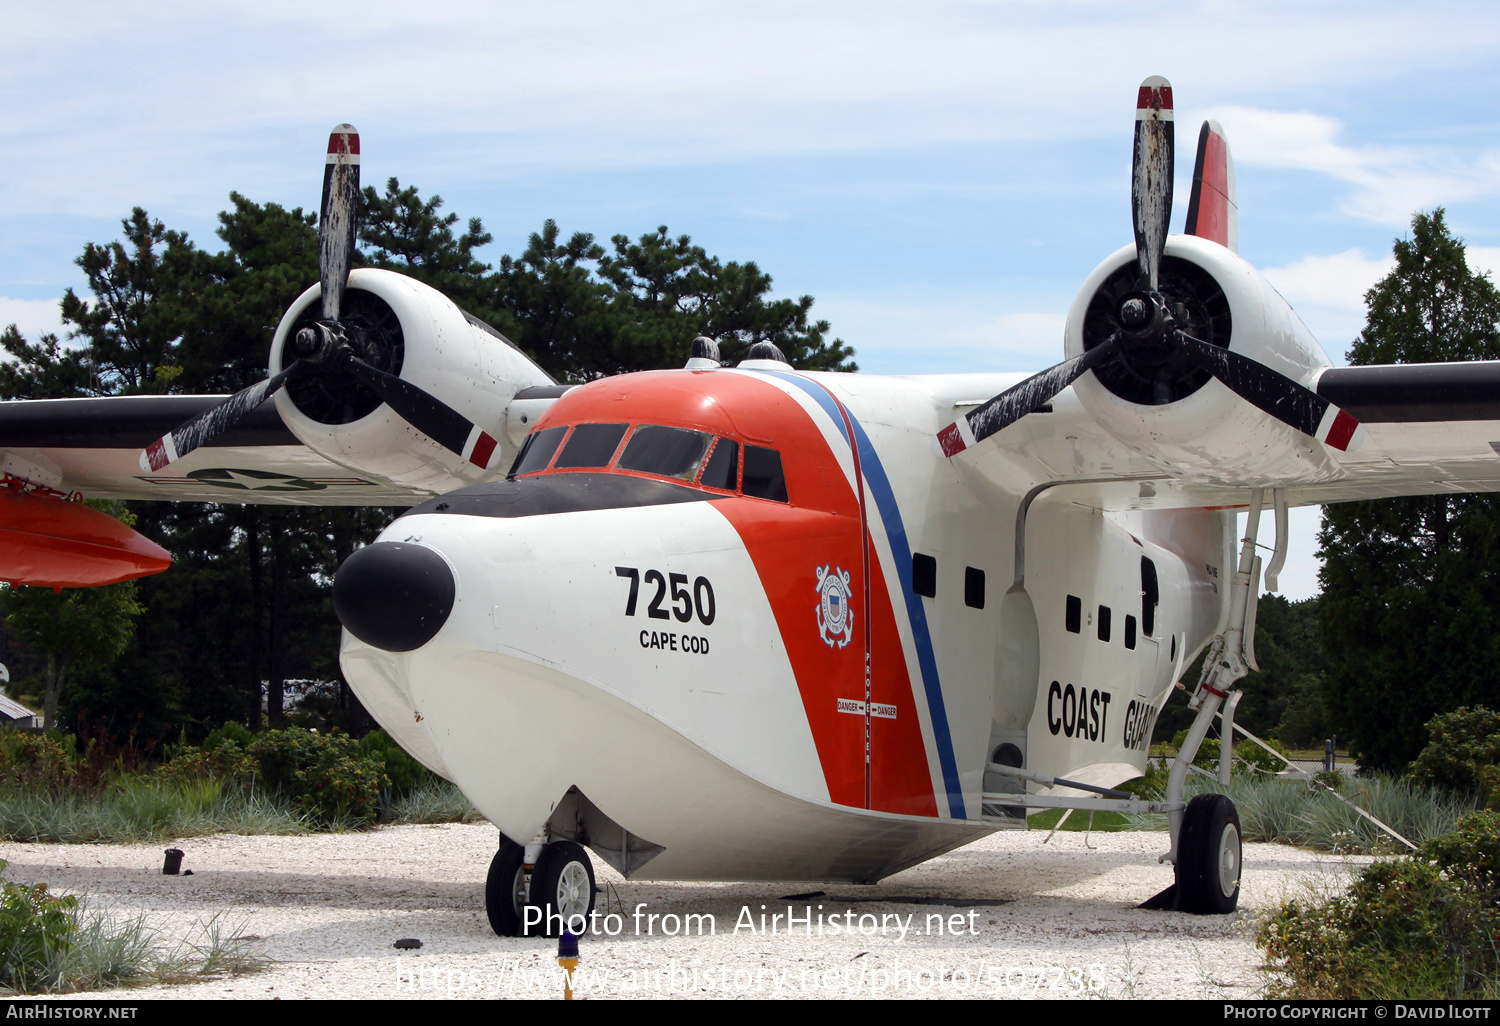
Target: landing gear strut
x: 556, y: 892
x: 1206, y: 833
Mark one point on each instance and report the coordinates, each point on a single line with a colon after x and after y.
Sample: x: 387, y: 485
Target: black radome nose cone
x: 393, y: 595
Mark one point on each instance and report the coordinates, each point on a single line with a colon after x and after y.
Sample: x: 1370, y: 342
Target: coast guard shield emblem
x: 835, y: 617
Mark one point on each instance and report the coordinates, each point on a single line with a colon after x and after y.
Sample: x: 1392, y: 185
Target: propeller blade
x: 1276, y: 394
x: 212, y: 423
x: 428, y: 414
x: 1151, y: 177
x: 338, y: 214
x: 1019, y: 400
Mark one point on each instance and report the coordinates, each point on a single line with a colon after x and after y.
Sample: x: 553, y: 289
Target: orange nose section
x: 49, y: 542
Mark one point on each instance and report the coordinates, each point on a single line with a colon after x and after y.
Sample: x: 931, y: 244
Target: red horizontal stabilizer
x: 1213, y: 212
x: 49, y: 542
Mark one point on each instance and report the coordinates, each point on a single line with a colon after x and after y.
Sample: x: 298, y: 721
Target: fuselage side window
x: 591, y: 445
x: 723, y: 467
x: 668, y: 451
x: 1150, y: 595
x: 764, y: 478
x: 537, y: 451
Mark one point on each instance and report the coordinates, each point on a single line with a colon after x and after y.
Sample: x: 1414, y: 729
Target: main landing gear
x: 539, y: 898
x: 1208, y: 857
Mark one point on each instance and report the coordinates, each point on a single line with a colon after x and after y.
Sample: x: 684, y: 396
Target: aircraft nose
x: 393, y: 595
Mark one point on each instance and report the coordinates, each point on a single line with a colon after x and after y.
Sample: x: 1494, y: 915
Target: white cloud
x: 1328, y: 292
x: 1032, y: 336
x: 928, y: 334
x: 1484, y: 260
x: 32, y: 317
x: 1339, y: 281
x: 1390, y: 181
x: 596, y: 84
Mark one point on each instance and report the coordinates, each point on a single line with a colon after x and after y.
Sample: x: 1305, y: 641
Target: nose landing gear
x: 556, y: 892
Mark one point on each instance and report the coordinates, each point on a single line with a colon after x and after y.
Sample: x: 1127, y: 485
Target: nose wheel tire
x: 505, y: 889
x: 1208, y: 857
x: 562, y: 886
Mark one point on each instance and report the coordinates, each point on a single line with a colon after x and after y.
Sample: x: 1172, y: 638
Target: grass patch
x: 1296, y: 812
x: 1103, y: 822
x: 292, y: 781
x: 434, y: 801
x: 103, y: 951
x: 53, y: 943
x: 136, y: 809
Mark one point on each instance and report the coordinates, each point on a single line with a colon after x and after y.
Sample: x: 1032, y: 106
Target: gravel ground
x: 1054, y: 920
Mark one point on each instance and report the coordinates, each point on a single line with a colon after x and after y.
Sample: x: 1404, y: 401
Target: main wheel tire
x: 505, y: 889
x: 562, y: 886
x: 1208, y: 857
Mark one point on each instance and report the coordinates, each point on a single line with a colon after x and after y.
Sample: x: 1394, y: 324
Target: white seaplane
x: 741, y: 623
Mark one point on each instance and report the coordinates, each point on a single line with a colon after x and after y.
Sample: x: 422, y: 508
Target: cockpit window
x: 668, y: 451
x: 763, y: 475
x: 659, y: 450
x: 537, y: 451
x: 723, y: 467
x: 591, y: 445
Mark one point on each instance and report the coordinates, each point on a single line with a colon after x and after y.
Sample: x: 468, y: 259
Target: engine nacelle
x: 415, y: 332
x: 1190, y: 424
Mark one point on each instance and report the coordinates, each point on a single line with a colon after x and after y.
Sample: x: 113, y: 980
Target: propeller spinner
x: 330, y: 347
x: 1151, y: 342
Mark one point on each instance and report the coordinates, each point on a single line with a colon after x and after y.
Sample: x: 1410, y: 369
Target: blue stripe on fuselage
x: 895, y: 532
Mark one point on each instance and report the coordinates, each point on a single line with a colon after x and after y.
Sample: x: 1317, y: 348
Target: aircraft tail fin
x: 1213, y: 212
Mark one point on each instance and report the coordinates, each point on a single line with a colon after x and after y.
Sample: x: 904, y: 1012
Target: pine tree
x: 1411, y: 587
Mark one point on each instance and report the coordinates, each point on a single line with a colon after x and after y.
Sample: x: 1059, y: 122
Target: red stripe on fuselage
x: 788, y: 543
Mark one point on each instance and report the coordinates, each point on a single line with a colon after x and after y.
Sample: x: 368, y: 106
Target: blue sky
x: 940, y: 176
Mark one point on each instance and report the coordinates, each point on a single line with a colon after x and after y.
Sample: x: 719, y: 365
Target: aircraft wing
x: 1428, y: 429
x: 94, y: 446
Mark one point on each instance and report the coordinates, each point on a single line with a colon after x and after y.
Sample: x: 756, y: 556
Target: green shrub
x: 1247, y: 754
x: 35, y: 928
x: 1471, y: 852
x: 405, y: 773
x: 236, y: 733
x: 324, y: 774
x: 1462, y: 751
x: 227, y: 761
x: 1334, y: 779
x: 340, y: 789
x: 36, y: 760
x: 1404, y: 930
